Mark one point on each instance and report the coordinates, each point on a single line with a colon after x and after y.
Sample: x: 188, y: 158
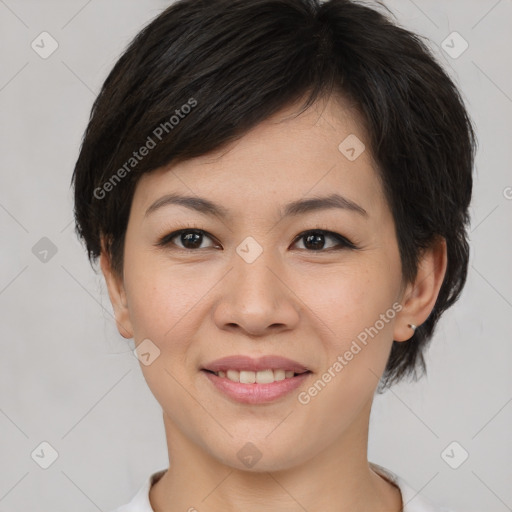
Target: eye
x: 314, y: 240
x: 191, y: 239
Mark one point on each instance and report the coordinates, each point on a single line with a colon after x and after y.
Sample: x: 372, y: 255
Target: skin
x: 305, y: 304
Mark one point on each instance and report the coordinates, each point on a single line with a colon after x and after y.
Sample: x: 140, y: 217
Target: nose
x: 255, y: 298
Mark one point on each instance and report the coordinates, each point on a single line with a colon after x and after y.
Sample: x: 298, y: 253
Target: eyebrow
x: 299, y: 207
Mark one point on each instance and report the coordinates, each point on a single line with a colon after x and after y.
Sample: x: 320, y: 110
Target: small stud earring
x: 412, y: 326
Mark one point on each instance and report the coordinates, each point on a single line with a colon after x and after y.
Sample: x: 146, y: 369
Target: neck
x: 336, y: 479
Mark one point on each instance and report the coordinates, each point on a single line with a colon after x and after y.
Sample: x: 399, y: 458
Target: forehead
x: 322, y: 151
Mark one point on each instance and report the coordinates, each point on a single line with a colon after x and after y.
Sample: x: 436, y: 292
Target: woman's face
x: 254, y: 282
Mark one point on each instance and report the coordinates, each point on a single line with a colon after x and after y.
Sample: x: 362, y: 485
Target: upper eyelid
x: 337, y: 236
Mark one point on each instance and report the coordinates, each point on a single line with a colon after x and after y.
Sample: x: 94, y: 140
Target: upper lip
x: 239, y: 362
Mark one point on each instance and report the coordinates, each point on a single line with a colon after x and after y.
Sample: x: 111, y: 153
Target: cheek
x: 356, y: 309
x: 160, y: 295
x: 164, y: 303
x: 350, y: 299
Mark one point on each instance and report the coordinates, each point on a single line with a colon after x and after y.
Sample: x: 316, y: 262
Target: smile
x: 254, y: 392
x: 259, y: 377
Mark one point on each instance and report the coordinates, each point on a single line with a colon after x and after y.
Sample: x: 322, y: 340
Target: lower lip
x: 256, y: 393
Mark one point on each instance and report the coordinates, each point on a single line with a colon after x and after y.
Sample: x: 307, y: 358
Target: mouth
x: 256, y: 388
x: 241, y: 363
x: 249, y: 380
x: 267, y: 376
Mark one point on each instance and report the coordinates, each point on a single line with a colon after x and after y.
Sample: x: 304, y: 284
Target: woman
x: 277, y: 192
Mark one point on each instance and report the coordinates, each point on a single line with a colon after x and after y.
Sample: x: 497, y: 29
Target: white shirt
x: 412, y: 501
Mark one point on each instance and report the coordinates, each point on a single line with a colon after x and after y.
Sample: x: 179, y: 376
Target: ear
x: 420, y: 297
x: 116, y: 293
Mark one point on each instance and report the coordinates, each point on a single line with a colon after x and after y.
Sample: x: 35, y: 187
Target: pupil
x: 316, y: 239
x: 192, y: 239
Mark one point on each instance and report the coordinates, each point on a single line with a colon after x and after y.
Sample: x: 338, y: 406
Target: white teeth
x: 247, y: 377
x: 261, y: 377
x: 279, y: 374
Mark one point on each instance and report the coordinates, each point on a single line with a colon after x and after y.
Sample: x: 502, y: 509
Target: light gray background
x: 68, y: 378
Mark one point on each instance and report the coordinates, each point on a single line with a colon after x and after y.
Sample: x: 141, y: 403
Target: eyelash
x: 344, y: 243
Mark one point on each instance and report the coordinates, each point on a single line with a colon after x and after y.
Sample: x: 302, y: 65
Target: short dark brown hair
x: 205, y: 72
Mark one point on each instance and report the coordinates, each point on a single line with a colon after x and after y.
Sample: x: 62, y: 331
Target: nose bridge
x: 255, y: 298
x: 255, y: 269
